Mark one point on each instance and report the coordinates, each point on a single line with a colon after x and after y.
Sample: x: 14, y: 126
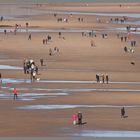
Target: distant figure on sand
x: 107, y: 79
x: 97, y: 78
x: 50, y: 51
x: 59, y: 34
x: 92, y: 43
x: 74, y: 117
x: 41, y: 62
x: 125, y: 49
x: 79, y: 116
x: 0, y: 78
x: 15, y: 94
x: 29, y: 37
x: 122, y: 112
x: 103, y: 78
x: 1, y: 18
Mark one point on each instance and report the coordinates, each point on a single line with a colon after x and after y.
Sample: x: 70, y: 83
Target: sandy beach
x: 67, y: 81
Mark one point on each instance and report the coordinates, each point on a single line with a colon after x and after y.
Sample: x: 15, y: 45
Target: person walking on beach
x: 29, y: 37
x: 74, y: 117
x: 15, y: 94
x: 122, y: 112
x: 79, y: 116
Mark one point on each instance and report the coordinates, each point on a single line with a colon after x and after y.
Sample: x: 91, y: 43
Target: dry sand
x: 77, y: 60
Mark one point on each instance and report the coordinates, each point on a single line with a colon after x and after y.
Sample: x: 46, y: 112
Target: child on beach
x: 74, y: 117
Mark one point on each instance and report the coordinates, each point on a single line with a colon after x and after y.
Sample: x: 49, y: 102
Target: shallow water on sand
x: 37, y: 30
x: 32, y: 107
x: 10, y: 67
x: 131, y: 15
x: 44, y: 1
x: 29, y: 96
x: 95, y: 133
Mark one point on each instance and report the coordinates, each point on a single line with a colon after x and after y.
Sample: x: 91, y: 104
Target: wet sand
x: 66, y: 78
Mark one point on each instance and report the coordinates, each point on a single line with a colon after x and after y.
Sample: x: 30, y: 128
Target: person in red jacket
x: 15, y: 94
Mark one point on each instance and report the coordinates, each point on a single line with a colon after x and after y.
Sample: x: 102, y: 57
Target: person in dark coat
x: 79, y: 116
x: 125, y: 49
x: 107, y: 79
x: 122, y: 112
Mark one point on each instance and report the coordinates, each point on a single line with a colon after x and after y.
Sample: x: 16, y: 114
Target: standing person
x: 103, y: 78
x: 25, y: 68
x: 122, y: 112
x: 0, y: 78
x: 97, y: 78
x: 107, y: 79
x: 27, y: 25
x: 134, y: 42
x: 41, y: 61
x: 31, y: 75
x: 50, y: 51
x: 125, y: 38
x: 34, y: 75
x: 15, y: 94
x: 74, y: 117
x: 121, y: 38
x: 125, y: 49
x: 79, y: 116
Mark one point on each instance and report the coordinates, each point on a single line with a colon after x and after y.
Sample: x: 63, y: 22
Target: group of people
x: 62, y: 20
x: 30, y: 67
x: 77, y: 118
x: 46, y: 40
x: 100, y: 78
x: 54, y: 51
x: 123, y: 38
x: 119, y: 20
